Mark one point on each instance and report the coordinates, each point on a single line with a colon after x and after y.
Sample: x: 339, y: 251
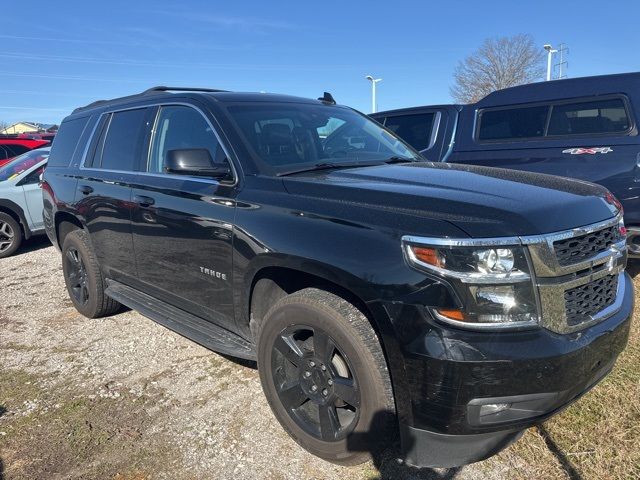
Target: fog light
x: 493, y: 408
x: 498, y: 296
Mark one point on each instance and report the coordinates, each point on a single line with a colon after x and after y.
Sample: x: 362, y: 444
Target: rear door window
x: 594, y: 117
x: 121, y: 143
x: 416, y: 129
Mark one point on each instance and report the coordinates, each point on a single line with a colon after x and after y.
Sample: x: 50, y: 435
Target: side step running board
x: 194, y: 328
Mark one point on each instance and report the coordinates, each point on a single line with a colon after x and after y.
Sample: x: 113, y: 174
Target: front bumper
x: 452, y: 373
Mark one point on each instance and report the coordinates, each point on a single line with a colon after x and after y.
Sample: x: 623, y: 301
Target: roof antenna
x: 327, y: 98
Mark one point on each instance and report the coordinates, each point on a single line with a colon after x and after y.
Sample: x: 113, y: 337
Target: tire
x: 10, y: 235
x: 315, y: 338
x: 83, y: 278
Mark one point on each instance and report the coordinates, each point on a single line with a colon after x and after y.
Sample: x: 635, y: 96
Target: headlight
x: 492, y: 283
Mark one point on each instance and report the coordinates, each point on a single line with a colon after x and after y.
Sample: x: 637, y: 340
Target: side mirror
x: 195, y: 161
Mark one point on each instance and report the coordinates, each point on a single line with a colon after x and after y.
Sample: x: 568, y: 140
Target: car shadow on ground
x: 33, y: 244
x: 633, y: 267
x: 565, y: 463
x: 388, y: 457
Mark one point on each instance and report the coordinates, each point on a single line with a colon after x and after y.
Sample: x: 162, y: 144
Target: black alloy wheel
x: 77, y: 276
x: 315, y: 382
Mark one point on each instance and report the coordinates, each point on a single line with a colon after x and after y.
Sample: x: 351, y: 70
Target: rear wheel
x: 83, y: 278
x: 325, y: 376
x: 10, y: 235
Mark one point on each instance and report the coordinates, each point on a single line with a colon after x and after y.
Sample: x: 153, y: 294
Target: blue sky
x: 59, y: 55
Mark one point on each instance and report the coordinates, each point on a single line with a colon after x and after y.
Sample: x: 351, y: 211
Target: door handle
x: 143, y: 201
x: 85, y: 189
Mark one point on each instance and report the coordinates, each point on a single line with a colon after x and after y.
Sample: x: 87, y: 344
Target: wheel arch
x: 65, y: 223
x: 15, y: 211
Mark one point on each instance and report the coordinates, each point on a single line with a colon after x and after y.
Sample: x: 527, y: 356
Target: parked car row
x: 12, y: 147
x: 584, y: 128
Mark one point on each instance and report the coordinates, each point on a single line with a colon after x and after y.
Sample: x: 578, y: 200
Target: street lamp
x: 550, y: 51
x: 373, y: 91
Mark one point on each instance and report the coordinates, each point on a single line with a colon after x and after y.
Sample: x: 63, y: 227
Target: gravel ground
x: 125, y: 398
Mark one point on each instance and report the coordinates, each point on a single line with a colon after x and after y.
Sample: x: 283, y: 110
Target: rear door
x: 103, y: 194
x: 183, y: 225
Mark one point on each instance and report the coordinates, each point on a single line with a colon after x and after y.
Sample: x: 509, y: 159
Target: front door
x: 183, y: 225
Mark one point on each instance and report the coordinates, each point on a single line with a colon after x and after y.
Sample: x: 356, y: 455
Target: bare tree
x: 4, y: 125
x: 498, y: 63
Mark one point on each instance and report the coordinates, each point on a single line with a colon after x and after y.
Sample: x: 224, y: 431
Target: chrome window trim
x: 164, y: 175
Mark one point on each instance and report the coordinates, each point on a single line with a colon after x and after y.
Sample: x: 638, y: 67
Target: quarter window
x: 67, y: 141
x: 602, y: 116
x: 180, y: 127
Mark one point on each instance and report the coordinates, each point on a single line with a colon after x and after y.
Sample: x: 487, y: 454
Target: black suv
x: 457, y: 305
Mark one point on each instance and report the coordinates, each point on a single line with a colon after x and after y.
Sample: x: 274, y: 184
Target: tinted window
x: 181, y: 127
x: 3, y: 153
x: 415, y: 129
x: 602, y: 116
x: 66, y: 142
x: 122, y: 142
x: 283, y: 135
x: 513, y: 123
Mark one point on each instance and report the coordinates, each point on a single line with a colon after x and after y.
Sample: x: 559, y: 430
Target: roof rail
x: 150, y: 91
x: 162, y: 88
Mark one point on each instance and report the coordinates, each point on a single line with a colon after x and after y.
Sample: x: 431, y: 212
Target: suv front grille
x: 579, y: 274
x: 574, y: 250
x: 582, y: 302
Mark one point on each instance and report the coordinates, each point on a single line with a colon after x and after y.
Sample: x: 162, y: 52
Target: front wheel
x: 325, y: 376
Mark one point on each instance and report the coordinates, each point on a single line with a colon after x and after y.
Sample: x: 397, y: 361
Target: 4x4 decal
x: 589, y: 151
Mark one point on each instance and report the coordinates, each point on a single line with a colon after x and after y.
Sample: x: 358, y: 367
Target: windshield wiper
x: 328, y: 166
x: 391, y: 160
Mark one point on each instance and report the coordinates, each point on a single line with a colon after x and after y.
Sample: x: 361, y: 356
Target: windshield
x: 291, y: 136
x: 19, y: 164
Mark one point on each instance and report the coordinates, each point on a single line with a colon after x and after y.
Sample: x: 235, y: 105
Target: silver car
x: 21, y: 199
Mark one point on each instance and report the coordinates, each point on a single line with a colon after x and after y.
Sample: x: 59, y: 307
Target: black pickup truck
x: 582, y: 128
x: 379, y: 293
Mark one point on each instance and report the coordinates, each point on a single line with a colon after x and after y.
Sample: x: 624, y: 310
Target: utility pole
x: 550, y: 51
x: 563, y: 64
x: 373, y: 91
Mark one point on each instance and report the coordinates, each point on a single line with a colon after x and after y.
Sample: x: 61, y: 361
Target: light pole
x: 550, y: 51
x: 373, y: 91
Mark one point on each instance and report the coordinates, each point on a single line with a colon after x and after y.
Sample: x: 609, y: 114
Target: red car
x: 12, y: 147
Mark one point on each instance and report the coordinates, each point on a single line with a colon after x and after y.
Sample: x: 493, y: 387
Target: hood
x: 482, y: 201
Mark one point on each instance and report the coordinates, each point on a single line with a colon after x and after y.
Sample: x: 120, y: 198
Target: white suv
x: 21, y: 200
